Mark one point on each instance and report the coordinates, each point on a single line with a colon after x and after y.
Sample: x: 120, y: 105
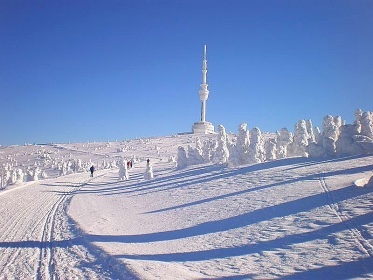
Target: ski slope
x: 295, y: 218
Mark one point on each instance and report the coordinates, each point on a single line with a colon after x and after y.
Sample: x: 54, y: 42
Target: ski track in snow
x: 35, y: 243
x: 343, y: 217
x: 287, y: 219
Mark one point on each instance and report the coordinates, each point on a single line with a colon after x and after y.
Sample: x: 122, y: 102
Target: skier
x: 92, y: 169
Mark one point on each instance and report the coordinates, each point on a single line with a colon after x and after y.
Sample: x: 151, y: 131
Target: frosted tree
x: 195, y: 156
x: 346, y: 144
x: 318, y: 135
x: 182, y: 160
x: 358, y: 115
x: 301, y: 137
x: 311, y: 134
x: 330, y: 126
x: 33, y: 173
x: 221, y: 155
x: 256, y: 148
x: 366, y: 121
x: 16, y: 176
x: 209, y: 148
x: 240, y: 153
x: 78, y: 165
x: 123, y: 170
x: 284, y: 139
x: 271, y: 149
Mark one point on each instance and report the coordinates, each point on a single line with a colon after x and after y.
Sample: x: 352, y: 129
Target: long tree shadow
x: 208, y: 173
x: 256, y: 216
x: 341, y: 271
x: 134, y: 183
x: 198, y: 171
x: 293, y: 180
x: 270, y: 245
x: 38, y: 244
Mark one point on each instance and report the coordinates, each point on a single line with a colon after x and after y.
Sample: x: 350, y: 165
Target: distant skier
x: 92, y: 169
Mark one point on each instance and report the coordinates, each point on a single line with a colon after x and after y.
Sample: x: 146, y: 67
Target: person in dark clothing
x: 92, y: 169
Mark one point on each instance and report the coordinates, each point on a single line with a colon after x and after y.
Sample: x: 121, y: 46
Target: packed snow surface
x: 292, y: 218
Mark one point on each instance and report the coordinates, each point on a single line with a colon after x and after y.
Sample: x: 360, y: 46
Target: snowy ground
x: 295, y: 218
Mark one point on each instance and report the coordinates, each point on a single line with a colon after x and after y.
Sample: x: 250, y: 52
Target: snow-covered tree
x: 366, y: 121
x: 346, y: 144
x: 330, y: 134
x: 311, y: 134
x: 271, y: 149
x: 221, y: 155
x: 195, y: 156
x: 284, y: 139
x: 17, y: 176
x: 182, y: 160
x: 301, y: 136
x: 123, y: 170
x: 256, y: 148
x: 209, y: 148
x: 240, y: 153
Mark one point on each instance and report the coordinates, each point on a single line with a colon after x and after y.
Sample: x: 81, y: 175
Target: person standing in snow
x: 92, y: 169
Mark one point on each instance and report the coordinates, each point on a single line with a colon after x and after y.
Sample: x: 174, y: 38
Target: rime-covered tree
x: 284, y: 139
x: 240, y: 153
x: 221, y: 155
x: 123, y: 170
x: 256, y: 148
x: 271, y: 149
x: 301, y: 136
x: 182, y: 160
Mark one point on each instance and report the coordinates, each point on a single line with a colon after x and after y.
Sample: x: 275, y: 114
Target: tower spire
x: 203, y: 126
x: 204, y: 92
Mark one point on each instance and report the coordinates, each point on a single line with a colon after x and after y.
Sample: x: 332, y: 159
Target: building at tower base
x: 203, y: 127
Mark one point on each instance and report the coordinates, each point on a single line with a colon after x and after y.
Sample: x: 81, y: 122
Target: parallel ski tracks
x: 30, y: 227
x: 45, y: 262
x: 346, y: 220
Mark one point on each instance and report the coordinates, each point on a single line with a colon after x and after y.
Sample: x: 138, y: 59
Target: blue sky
x: 77, y: 71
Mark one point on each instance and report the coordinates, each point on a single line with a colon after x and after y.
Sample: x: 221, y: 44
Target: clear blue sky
x: 77, y: 71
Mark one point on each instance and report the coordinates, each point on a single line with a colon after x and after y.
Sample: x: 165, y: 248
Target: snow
x: 293, y: 218
x: 203, y: 207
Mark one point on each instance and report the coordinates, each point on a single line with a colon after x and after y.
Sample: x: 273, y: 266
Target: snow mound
x: 364, y: 182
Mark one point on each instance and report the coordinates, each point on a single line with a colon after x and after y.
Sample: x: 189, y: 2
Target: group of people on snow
x: 123, y: 173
